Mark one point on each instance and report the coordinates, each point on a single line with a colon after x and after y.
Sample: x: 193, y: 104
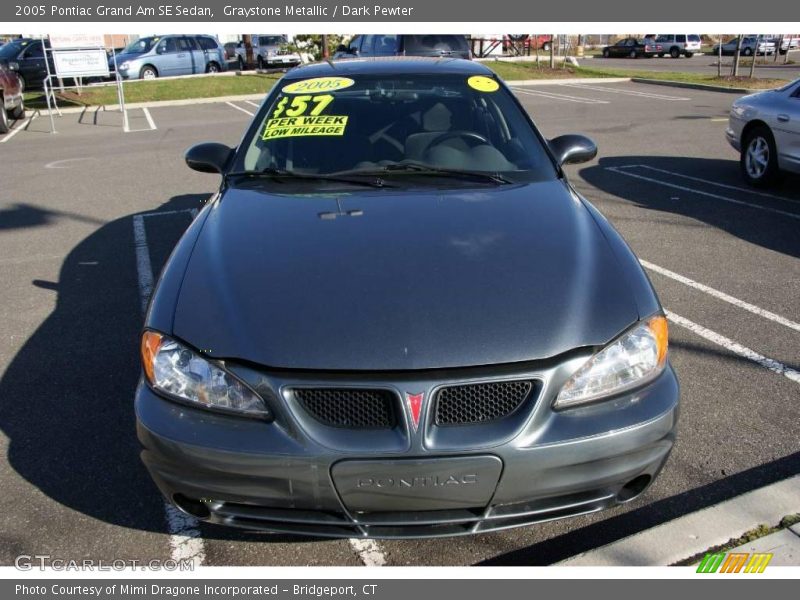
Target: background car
x: 11, y: 102
x: 679, y: 43
x: 26, y: 56
x: 631, y: 48
x: 269, y: 51
x: 454, y: 46
x: 765, y: 129
x: 170, y: 55
x: 748, y: 47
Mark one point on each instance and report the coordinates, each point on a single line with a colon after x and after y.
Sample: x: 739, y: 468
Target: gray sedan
x: 765, y: 129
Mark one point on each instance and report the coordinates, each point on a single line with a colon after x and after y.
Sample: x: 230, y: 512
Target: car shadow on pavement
x: 67, y: 395
x: 632, y: 179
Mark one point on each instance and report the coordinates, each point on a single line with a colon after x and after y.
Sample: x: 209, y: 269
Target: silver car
x: 765, y: 129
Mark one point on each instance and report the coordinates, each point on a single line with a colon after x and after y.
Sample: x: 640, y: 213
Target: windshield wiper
x: 424, y: 169
x: 275, y: 173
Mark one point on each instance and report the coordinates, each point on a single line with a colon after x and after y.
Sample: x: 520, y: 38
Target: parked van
x: 170, y: 55
x: 677, y: 44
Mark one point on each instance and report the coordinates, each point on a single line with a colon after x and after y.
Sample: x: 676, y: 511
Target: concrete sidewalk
x: 693, y: 534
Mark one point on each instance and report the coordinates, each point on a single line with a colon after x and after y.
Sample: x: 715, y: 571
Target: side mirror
x: 571, y: 149
x: 209, y: 157
x: 341, y: 48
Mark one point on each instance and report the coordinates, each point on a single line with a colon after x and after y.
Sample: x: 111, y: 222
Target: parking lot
x: 703, y: 63
x: 89, y: 215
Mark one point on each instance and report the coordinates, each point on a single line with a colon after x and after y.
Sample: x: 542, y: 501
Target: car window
x: 367, y: 43
x: 664, y: 39
x: 207, y: 43
x: 354, y: 44
x: 167, y: 45
x: 385, y: 45
x: 271, y: 40
x: 451, y: 121
x: 680, y: 39
x: 694, y: 38
x: 185, y: 44
x: 34, y: 51
x: 435, y: 43
x: 141, y: 45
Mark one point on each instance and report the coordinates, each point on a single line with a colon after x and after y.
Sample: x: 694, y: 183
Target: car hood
x: 390, y: 280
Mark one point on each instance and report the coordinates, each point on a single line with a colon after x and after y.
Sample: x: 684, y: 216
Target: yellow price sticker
x: 318, y: 84
x: 300, y: 104
x: 483, y: 84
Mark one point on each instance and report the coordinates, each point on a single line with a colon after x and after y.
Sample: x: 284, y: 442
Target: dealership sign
x: 63, y: 41
x: 81, y: 63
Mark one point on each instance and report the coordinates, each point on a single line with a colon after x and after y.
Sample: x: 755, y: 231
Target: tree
x: 736, y: 56
x: 313, y: 44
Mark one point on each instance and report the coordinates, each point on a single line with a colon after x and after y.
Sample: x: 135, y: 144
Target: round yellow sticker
x: 483, y: 84
x: 318, y: 84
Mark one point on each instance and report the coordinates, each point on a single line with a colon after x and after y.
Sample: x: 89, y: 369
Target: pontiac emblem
x: 414, y: 402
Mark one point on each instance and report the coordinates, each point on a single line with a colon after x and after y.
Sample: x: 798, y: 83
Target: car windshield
x: 394, y: 124
x: 141, y: 45
x: 271, y: 40
x: 11, y: 49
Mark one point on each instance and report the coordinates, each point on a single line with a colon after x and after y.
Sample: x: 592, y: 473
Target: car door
x: 787, y: 129
x: 196, y: 55
x: 31, y: 64
x: 166, y: 58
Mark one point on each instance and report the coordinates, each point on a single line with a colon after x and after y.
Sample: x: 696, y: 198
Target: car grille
x: 480, y: 402
x: 351, y: 408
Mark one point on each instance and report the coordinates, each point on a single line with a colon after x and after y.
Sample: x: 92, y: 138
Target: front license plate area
x: 416, y: 484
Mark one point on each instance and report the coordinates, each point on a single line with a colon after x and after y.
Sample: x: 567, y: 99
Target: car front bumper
x: 296, y: 477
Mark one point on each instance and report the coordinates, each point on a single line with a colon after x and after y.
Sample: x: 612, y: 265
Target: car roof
x: 390, y: 65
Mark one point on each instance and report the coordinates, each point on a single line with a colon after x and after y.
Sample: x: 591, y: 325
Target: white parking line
x: 184, y: 535
x: 251, y: 103
x: 149, y: 118
x: 735, y: 347
x: 700, y: 192
x: 245, y: 111
x: 723, y: 296
x: 651, y: 95
x: 554, y: 96
x: 14, y: 131
x: 369, y: 552
x: 716, y: 183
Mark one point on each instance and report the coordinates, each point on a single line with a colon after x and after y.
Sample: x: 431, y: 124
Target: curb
x: 694, y: 533
x: 696, y: 86
x: 534, y: 82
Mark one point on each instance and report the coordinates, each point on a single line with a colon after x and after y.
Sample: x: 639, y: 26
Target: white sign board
x: 63, y: 41
x: 81, y: 63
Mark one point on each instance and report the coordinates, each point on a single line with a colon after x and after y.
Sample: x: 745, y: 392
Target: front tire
x: 675, y: 53
x: 758, y: 160
x: 213, y: 68
x: 633, y: 54
x: 606, y: 53
x: 747, y: 52
x: 689, y: 54
x: 148, y: 72
x: 22, y: 83
x: 241, y: 64
x: 4, y: 123
x: 546, y: 47
x: 660, y: 55
x: 261, y: 63
x: 19, y: 111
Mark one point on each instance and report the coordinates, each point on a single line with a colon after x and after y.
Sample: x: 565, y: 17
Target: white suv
x: 677, y: 44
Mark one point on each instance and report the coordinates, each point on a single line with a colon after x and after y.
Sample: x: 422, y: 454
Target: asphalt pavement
x: 724, y: 258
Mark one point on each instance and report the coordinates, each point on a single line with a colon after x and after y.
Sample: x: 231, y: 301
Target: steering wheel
x: 447, y: 135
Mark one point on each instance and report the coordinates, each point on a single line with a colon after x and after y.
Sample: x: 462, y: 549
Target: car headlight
x: 124, y: 66
x: 179, y: 372
x: 13, y: 66
x: 635, y: 357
